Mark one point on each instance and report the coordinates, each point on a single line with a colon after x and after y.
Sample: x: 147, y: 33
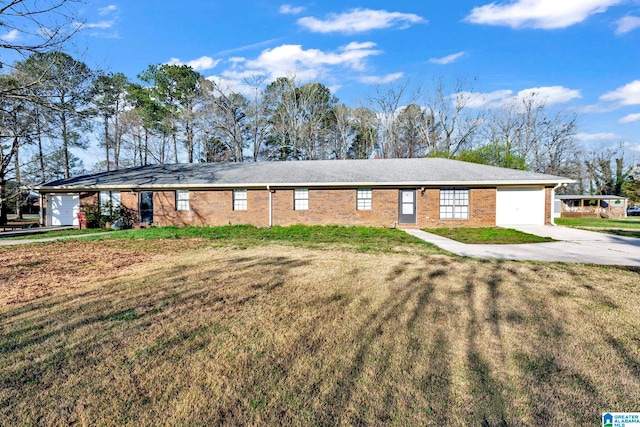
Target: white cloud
x: 549, y: 94
x: 200, y: 64
x: 310, y: 64
x: 601, y: 136
x: 491, y: 99
x: 630, y: 118
x: 628, y: 23
x: 359, y: 20
x: 380, y: 79
x: 628, y: 94
x: 11, y: 36
x: 103, y: 25
x: 543, y: 14
x: 107, y: 9
x: 287, y: 9
x: 447, y: 59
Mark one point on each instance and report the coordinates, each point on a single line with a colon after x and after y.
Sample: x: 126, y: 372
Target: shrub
x: 97, y: 216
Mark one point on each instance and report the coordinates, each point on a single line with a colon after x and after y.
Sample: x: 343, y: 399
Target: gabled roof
x: 341, y: 173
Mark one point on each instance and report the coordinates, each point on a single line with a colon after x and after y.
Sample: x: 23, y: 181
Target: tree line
x: 51, y: 102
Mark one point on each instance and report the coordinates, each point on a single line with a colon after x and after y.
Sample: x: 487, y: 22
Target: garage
x: 63, y: 209
x: 520, y: 206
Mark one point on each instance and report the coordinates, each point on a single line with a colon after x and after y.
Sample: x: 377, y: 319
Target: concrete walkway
x: 573, y: 245
x: 10, y: 242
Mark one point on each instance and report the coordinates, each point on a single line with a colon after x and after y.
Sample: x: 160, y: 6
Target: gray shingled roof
x: 391, y: 172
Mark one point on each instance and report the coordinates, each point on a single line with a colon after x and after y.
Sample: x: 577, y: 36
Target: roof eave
x: 491, y: 183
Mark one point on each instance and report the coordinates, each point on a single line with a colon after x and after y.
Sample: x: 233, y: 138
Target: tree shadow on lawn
x: 439, y: 342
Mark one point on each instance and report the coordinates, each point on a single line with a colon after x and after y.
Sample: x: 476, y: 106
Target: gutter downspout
x: 553, y: 202
x: 270, y: 207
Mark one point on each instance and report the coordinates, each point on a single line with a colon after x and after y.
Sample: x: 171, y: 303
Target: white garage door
x: 63, y: 209
x: 520, y: 206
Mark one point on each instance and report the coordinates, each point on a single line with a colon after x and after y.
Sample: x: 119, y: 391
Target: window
x: 454, y: 203
x: 239, y: 200
x: 182, y: 200
x: 364, y: 197
x: 301, y: 199
x: 109, y: 202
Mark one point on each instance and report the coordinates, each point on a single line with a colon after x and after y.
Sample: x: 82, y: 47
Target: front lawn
x: 488, y: 235
x: 629, y: 227
x: 630, y: 223
x: 193, y: 331
x: 361, y: 239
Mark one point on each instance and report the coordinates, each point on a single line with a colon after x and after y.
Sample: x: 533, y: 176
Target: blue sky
x: 581, y: 55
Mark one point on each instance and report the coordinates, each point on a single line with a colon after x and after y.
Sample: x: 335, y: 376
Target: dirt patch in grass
x: 187, y: 334
x: 488, y: 235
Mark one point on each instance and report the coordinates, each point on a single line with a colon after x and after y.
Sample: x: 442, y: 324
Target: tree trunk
x: 117, y: 137
x: 40, y: 151
x: 106, y: 141
x: 175, y: 147
x: 3, y: 199
x: 18, y: 178
x: 65, y: 146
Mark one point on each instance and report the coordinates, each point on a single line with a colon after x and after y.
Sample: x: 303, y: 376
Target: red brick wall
x: 211, y: 208
x: 336, y: 207
x: 88, y: 198
x: 548, y: 200
x: 482, y: 209
x: 326, y: 207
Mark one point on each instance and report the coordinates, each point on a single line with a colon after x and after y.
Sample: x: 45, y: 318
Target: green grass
x: 360, y: 239
x: 628, y: 227
x: 488, y: 235
x: 627, y: 223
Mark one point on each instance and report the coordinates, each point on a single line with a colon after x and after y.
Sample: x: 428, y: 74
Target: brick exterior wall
x: 88, y: 198
x: 482, y: 209
x: 330, y: 206
x: 548, y: 205
x: 327, y: 206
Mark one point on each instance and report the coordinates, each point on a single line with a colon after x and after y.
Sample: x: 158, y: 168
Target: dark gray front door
x: 407, y: 207
x: 145, y: 205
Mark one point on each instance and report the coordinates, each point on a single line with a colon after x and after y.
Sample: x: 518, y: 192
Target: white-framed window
x: 182, y: 200
x: 301, y: 199
x: 109, y: 202
x: 239, y: 200
x: 364, y: 199
x: 454, y: 203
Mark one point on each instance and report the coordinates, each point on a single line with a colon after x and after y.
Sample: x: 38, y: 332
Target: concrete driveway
x: 572, y: 246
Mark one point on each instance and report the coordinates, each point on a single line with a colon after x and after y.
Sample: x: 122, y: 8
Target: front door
x: 145, y: 206
x: 407, y: 207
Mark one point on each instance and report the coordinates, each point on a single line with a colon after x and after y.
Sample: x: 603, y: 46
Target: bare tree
x: 385, y: 104
x: 528, y: 129
x: 365, y: 127
x: 258, y: 124
x: 342, y: 131
x: 227, y: 127
x: 453, y: 124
